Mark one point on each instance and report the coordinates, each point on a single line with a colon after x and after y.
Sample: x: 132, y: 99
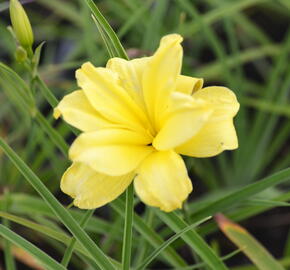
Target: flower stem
x: 50, y: 97
x: 127, y: 239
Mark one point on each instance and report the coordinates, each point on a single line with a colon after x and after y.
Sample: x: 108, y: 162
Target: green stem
x: 49, y: 96
x: 152, y: 237
x: 51, y: 132
x: 29, y: 51
x: 127, y: 240
x: 69, y: 251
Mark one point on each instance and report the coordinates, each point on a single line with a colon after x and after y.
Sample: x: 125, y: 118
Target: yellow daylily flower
x: 136, y: 118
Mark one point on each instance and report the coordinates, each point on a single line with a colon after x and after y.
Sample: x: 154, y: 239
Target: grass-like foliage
x: 242, y: 44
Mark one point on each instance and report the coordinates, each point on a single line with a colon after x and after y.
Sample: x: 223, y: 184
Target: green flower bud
x: 20, y: 54
x: 21, y: 25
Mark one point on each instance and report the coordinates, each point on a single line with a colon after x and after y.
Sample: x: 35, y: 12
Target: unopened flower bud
x: 20, y: 54
x: 21, y: 25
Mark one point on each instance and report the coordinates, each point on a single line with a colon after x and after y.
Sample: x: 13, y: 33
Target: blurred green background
x: 241, y: 44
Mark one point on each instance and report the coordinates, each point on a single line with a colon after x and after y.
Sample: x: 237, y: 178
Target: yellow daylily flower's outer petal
x: 78, y: 112
x: 159, y: 78
x: 111, y: 151
x: 91, y: 189
x: 103, y: 90
x: 188, y: 85
x: 222, y: 99
x: 140, y: 65
x: 162, y: 181
x: 185, y: 118
x: 218, y: 134
x: 211, y: 140
x: 130, y: 74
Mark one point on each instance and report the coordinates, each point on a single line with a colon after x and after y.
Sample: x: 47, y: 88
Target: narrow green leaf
x: 8, y: 256
x: 110, y: 49
x: 69, y: 251
x: 150, y: 235
x: 266, y: 106
x: 246, y: 212
x: 285, y: 262
x: 99, y: 257
x: 214, y: 70
x: 59, y: 236
x: 156, y: 252
x: 230, y: 8
x: 24, y: 204
x: 144, y: 247
x: 64, y: 9
x: 154, y: 24
x: 35, y: 58
x: 20, y: 87
x: 134, y: 19
x: 108, y: 29
x: 248, y: 244
x: 193, y: 239
x: 49, y: 96
x: 270, y: 203
x: 200, y: 265
x: 53, y: 134
x: 55, y: 137
x: 24, y: 96
x: 241, y: 194
x: 42, y: 257
x: 52, y: 233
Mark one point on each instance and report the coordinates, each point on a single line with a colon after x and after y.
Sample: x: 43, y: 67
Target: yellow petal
x: 188, y: 85
x: 212, y: 139
x: 130, y: 74
x: 162, y: 181
x: 103, y: 90
x: 222, y: 99
x: 111, y: 151
x: 91, y: 189
x: 159, y: 78
x: 78, y: 112
x: 185, y: 118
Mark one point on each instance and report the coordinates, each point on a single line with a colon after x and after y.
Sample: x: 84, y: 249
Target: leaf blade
x: 99, y: 257
x: 193, y: 239
x: 30, y: 248
x: 248, y: 244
